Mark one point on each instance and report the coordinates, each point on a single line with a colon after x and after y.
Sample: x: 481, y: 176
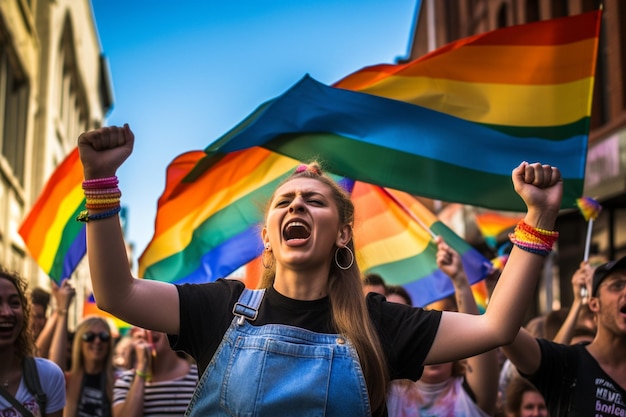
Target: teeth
x: 296, y: 230
x: 292, y: 224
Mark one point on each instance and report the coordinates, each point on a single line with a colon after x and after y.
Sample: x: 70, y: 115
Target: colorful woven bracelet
x: 548, y: 236
x: 85, y: 217
x: 102, y: 206
x: 101, y: 201
x: 102, y: 191
x: 99, y: 183
x: 533, y: 239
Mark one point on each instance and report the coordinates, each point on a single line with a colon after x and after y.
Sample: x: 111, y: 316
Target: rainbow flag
x: 451, y: 125
x: 393, y: 239
x: 491, y: 224
x: 52, y: 235
x: 208, y: 228
x: 91, y: 309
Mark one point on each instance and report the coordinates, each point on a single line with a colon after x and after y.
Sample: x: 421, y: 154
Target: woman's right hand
x: 102, y: 151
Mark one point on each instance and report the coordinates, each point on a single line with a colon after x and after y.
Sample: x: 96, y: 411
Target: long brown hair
x: 25, y: 343
x: 345, y: 290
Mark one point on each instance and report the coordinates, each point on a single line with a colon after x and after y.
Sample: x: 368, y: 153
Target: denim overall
x: 279, y: 370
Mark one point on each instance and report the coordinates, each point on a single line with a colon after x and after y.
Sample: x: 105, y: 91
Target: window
x: 532, y: 11
x: 14, y: 93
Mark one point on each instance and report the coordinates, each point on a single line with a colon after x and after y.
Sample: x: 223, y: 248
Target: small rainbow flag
x: 52, y: 235
x: 491, y: 224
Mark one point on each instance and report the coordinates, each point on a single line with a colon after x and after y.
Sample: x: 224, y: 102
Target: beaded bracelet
x: 96, y: 192
x: 101, y: 203
x: 145, y: 375
x: 85, y: 217
x: 99, y: 183
x: 532, y: 239
x: 100, y: 194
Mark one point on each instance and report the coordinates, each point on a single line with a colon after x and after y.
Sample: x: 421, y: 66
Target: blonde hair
x: 349, y: 310
x: 78, y: 363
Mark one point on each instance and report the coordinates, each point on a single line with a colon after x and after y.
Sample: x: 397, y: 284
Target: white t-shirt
x: 407, y: 398
x: 53, y: 384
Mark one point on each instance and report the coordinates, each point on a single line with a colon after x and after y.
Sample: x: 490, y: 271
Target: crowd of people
x: 317, y: 337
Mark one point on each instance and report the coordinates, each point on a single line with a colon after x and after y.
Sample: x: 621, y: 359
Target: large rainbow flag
x: 206, y: 229
x: 52, y: 235
x: 450, y: 125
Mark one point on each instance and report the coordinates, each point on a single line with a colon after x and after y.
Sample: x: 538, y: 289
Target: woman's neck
x: 301, y: 286
x: 10, y: 369
x: 93, y: 367
x: 9, y: 360
x: 168, y: 366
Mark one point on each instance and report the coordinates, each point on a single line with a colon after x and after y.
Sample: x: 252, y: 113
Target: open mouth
x: 296, y: 230
x: 6, y: 328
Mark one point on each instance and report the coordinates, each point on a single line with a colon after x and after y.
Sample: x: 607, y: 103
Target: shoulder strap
x: 247, y: 307
x: 15, y: 403
x: 31, y: 378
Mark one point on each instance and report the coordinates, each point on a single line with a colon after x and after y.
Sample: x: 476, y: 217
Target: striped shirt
x: 162, y: 398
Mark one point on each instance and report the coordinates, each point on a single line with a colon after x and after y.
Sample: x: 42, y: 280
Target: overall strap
x: 247, y: 307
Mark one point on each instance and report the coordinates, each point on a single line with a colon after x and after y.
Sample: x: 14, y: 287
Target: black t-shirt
x: 407, y: 333
x: 93, y: 401
x: 573, y: 383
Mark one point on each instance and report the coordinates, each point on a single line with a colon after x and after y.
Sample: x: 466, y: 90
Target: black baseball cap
x: 604, y: 270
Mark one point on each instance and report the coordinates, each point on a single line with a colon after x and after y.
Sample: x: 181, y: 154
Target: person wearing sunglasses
x: 91, y: 377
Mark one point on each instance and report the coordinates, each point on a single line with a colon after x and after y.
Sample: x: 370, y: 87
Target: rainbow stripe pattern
x: 91, y: 309
x: 206, y: 229
x: 450, y: 125
x: 492, y: 224
x: 393, y: 239
x: 50, y: 232
x: 589, y: 208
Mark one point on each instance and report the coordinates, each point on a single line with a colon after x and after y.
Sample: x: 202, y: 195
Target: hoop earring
x: 337, y: 258
x: 266, y: 265
x: 267, y: 250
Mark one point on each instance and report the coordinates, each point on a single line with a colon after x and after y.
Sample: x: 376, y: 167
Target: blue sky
x: 186, y: 72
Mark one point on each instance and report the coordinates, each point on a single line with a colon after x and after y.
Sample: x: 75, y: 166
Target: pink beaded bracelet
x: 100, y: 183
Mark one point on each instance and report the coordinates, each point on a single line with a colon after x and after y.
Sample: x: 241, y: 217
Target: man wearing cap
x: 583, y: 380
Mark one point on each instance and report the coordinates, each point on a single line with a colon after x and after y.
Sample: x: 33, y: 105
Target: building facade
x: 442, y: 21
x: 54, y: 84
